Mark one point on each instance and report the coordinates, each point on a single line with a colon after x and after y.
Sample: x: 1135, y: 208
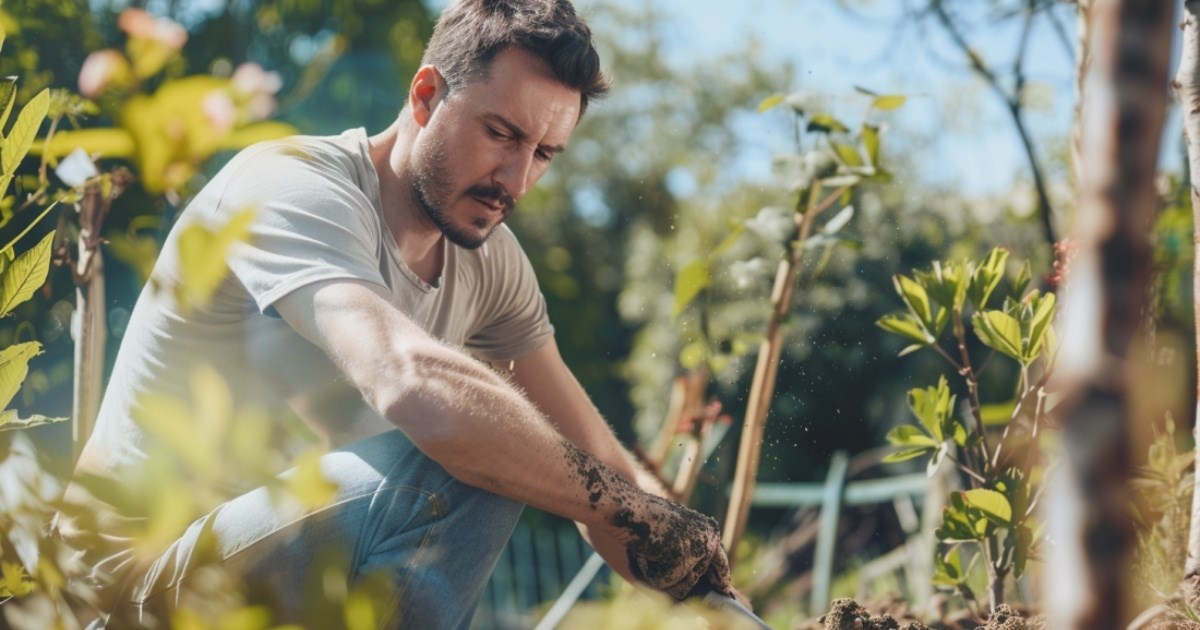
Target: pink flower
x: 256, y: 88
x: 1064, y: 253
x: 139, y: 24
x: 220, y: 111
x: 99, y: 70
x: 250, y: 77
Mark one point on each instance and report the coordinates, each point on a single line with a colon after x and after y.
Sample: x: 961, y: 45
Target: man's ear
x: 427, y: 90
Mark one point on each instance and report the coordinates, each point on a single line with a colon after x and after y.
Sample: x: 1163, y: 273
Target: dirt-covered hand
x: 672, y: 548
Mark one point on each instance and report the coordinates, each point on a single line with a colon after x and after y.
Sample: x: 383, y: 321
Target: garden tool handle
x: 721, y: 601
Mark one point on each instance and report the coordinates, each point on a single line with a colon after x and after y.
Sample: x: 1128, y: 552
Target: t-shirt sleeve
x: 516, y: 322
x: 311, y: 223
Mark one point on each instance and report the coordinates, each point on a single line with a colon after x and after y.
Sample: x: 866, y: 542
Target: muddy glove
x: 673, y: 548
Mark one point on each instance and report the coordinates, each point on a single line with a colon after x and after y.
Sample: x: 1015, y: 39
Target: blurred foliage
x: 175, y: 111
x: 1164, y: 485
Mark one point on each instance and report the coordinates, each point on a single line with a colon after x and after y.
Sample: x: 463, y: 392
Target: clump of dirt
x: 1005, y: 618
x: 847, y: 614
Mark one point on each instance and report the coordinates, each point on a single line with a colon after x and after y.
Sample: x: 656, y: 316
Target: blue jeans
x: 396, y: 512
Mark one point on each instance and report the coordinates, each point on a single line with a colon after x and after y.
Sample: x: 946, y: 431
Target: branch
x: 1013, y: 103
x: 1060, y: 30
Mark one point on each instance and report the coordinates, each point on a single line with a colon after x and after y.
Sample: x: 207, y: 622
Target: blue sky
x: 962, y: 134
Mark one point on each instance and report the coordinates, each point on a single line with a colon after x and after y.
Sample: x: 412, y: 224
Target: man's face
x: 488, y: 143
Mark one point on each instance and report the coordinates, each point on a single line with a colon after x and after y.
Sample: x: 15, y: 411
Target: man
x: 370, y: 263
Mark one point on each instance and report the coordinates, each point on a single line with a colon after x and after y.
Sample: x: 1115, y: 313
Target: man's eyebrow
x: 519, y: 133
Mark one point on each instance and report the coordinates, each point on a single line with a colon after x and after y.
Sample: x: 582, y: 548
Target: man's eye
x: 544, y: 156
x: 497, y: 134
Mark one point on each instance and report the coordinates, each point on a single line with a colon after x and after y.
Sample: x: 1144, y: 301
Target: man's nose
x: 516, y: 174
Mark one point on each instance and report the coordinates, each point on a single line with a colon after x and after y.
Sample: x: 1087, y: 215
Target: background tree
x: 1101, y: 367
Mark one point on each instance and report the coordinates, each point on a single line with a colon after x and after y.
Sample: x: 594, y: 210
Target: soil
x: 847, y: 614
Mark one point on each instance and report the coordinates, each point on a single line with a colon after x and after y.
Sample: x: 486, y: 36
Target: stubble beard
x: 431, y: 192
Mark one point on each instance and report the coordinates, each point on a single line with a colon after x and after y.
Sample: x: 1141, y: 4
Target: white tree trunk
x: 90, y: 340
x: 1088, y: 499
x: 1187, y: 88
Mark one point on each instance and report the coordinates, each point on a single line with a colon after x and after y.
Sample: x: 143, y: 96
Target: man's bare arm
x: 484, y: 432
x: 550, y: 385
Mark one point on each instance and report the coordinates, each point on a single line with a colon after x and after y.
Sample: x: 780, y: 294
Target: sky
x: 962, y: 134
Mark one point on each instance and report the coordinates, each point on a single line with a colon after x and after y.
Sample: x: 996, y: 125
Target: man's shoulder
x: 346, y: 150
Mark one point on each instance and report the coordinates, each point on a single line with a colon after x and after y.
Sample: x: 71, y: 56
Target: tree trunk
x: 90, y: 341
x: 1083, y: 64
x: 1105, y: 301
x: 1187, y: 88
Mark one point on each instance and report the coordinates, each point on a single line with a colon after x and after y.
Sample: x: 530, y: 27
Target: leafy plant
x: 821, y: 179
x: 1002, y: 472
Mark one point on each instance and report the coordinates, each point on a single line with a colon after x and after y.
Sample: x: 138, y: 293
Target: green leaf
x: 992, y: 504
x: 9, y: 420
x: 910, y: 436
x: 202, y: 255
x: 999, y: 331
x: 825, y: 123
x: 946, y: 283
x: 905, y: 454
x: 933, y: 406
x: 847, y: 154
x: 1016, y: 488
x: 689, y: 282
x: 16, y: 144
x: 14, y: 366
x: 1043, y: 315
x: 957, y: 525
x: 870, y: 138
x: 915, y: 296
x: 25, y: 275
x: 889, y: 101
x: 1024, y: 276
x: 987, y: 275
x: 948, y: 568
x: 8, y: 96
x: 907, y: 326
x: 20, y: 138
x: 770, y: 101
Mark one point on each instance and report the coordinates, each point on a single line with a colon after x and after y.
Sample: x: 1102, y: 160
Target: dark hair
x: 470, y: 33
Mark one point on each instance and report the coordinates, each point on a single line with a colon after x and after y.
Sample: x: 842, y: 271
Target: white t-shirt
x: 318, y: 217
